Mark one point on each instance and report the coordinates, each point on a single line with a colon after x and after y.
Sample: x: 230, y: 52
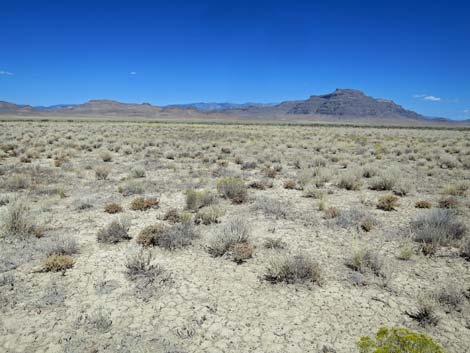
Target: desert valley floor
x: 225, y: 238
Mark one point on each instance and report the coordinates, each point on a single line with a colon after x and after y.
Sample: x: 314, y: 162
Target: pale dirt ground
x: 213, y: 304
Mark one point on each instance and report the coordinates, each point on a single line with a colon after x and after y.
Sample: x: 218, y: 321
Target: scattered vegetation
x: 114, y: 232
x: 398, y: 340
x: 293, y: 269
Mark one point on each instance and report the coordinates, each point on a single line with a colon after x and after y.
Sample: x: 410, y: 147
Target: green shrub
x: 398, y: 340
x: 232, y: 188
x: 198, y: 199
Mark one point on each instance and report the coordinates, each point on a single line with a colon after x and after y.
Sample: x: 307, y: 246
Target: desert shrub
x: 198, y: 199
x: 177, y: 236
x: 364, y: 261
x: 262, y: 184
x: 369, y: 172
x: 143, y: 204
x: 274, y: 243
x: 102, y: 172
x: 331, y: 212
x: 350, y: 181
x: 106, y: 156
x: 387, y: 203
x: 465, y: 249
x: 358, y: 218
x: 17, y: 221
x: 448, y: 202
x: 148, y: 236
x: 269, y: 172
x: 112, y: 208
x: 235, y: 231
x: 172, y: 216
x: 61, y: 245
x: 440, y: 227
x: 424, y: 313
x: 232, y: 188
x: 312, y: 192
x: 114, y: 232
x: 447, y: 161
x: 249, y: 165
x: 290, y: 184
x: 398, y: 340
x: 456, y: 190
x: 139, y: 268
x: 271, y: 207
x: 385, y: 181
x: 241, y: 252
x: 450, y: 297
x: 406, y: 252
x: 131, y: 187
x: 321, y: 176
x: 423, y: 204
x: 293, y: 269
x: 17, y: 182
x: 208, y: 215
x: 55, y: 263
x: 138, y: 173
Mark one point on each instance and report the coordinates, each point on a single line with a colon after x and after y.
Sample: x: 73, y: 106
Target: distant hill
x: 218, y: 106
x: 11, y: 108
x: 342, y: 105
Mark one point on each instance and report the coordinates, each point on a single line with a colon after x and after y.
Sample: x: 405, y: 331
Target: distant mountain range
x: 342, y: 105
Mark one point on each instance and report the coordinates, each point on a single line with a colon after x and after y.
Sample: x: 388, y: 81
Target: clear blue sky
x: 414, y: 52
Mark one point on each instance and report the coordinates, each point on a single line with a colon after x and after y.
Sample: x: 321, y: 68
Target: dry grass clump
x: 139, y: 268
x: 350, y: 181
x: 242, y: 252
x: 198, y: 199
x: 331, y: 212
x: 172, y: 216
x: 170, y: 238
x: 450, y: 297
x: 62, y: 245
x: 290, y: 184
x: 385, y: 181
x: 423, y: 204
x: 262, y: 184
x: 439, y: 227
x: 131, y: 187
x: 271, y: 207
x: 112, y: 208
x: 114, y: 232
x: 102, y: 172
x: 449, y: 202
x: 143, y: 204
x: 208, y: 215
x: 177, y: 236
x: 387, y: 203
x: 106, y: 156
x: 149, y: 235
x: 138, y: 173
x: 356, y: 218
x: 17, y: 221
x: 55, y: 263
x: 425, y: 313
x: 233, y: 188
x: 274, y: 243
x: 17, y: 182
x: 464, y: 250
x: 235, y: 231
x: 364, y: 261
x: 293, y: 269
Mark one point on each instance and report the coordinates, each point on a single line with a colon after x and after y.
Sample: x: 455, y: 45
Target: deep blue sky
x: 414, y: 52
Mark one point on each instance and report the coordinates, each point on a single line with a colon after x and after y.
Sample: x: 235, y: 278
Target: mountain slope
x: 11, y: 108
x: 351, y: 103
